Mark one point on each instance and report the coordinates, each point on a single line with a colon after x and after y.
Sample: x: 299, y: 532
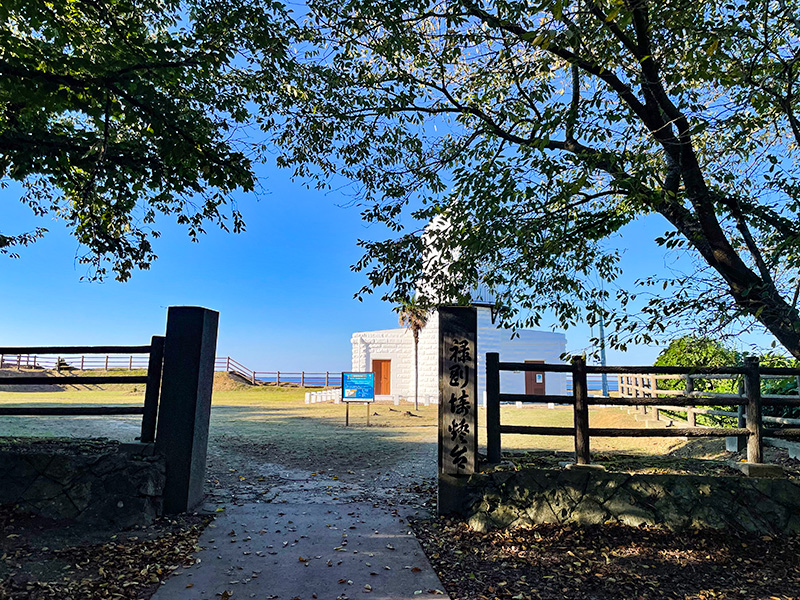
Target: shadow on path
x: 310, y: 510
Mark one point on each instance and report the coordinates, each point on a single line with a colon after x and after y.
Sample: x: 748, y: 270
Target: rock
x: 589, y: 496
x: 762, y: 470
x: 83, y: 480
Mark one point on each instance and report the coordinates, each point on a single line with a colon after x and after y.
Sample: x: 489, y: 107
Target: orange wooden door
x: 383, y: 376
x: 534, y: 380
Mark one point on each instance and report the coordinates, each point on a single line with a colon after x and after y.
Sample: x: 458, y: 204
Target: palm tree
x: 414, y: 317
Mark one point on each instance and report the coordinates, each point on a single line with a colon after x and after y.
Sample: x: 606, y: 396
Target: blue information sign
x: 358, y: 387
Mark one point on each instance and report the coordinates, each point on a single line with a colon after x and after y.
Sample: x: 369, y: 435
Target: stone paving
x: 312, y: 538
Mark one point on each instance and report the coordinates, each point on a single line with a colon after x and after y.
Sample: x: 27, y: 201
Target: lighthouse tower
x: 389, y: 353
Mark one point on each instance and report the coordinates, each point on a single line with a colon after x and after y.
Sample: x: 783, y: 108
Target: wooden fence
x: 750, y: 398
x: 66, y: 361
x: 301, y: 378
x: 85, y: 362
x: 153, y: 355
x: 647, y: 386
x: 31, y: 359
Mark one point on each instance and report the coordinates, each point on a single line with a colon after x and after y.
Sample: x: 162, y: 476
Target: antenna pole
x: 603, y: 354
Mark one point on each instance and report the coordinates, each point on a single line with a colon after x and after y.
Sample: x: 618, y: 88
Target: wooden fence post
x: 106, y: 368
x: 153, y: 389
x: 185, y: 407
x: 741, y: 417
x: 278, y: 378
x: 326, y: 378
x: 739, y: 442
x: 752, y: 389
x: 302, y: 379
x: 691, y: 416
x: 493, y: 447
x: 581, y: 393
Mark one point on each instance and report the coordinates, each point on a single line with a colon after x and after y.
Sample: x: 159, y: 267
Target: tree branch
x: 614, y: 29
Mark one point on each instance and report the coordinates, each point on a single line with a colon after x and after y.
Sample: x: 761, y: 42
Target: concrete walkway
x: 316, y: 538
x: 306, y: 552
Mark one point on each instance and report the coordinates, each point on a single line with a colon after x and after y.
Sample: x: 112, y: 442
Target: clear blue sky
x: 284, y: 288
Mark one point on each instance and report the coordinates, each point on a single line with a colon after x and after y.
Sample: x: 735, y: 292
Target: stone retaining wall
x: 530, y: 496
x: 119, y: 485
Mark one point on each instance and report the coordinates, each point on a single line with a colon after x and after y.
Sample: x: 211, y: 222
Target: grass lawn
x: 268, y: 424
x: 258, y: 412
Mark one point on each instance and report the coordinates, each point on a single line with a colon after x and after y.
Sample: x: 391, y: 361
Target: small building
x: 389, y: 353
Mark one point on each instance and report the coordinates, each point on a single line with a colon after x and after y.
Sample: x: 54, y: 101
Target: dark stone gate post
x: 458, y: 404
x: 185, y: 409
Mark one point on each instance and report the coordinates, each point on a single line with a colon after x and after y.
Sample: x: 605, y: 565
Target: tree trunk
x: 416, y: 371
x: 757, y: 297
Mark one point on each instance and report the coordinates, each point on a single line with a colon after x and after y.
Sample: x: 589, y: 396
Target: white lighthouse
x: 389, y: 353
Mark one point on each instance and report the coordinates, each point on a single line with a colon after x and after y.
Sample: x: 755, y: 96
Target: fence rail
x: 110, y: 358
x: 58, y: 358
x: 301, y: 378
x: 63, y: 358
x: 647, y: 386
x: 749, y: 398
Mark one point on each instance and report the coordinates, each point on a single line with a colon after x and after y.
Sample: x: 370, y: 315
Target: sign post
x: 458, y: 409
x: 458, y: 403
x: 357, y: 387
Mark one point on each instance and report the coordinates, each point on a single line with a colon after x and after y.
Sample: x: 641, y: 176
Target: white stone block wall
x: 360, y: 349
x: 396, y: 345
x: 428, y: 359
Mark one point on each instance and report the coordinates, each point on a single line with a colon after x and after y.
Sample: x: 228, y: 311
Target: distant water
x: 334, y: 380
x: 596, y: 384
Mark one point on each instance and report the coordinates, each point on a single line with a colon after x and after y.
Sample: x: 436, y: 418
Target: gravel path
x: 246, y: 472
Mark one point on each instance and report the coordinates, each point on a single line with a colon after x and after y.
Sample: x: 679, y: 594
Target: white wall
x: 532, y: 345
x: 396, y: 345
x: 488, y: 341
x: 428, y: 359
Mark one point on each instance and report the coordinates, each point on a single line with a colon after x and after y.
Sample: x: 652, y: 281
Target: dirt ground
x: 694, y: 457
x: 254, y: 449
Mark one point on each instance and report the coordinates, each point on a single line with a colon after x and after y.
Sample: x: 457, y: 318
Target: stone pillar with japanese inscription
x: 458, y: 403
